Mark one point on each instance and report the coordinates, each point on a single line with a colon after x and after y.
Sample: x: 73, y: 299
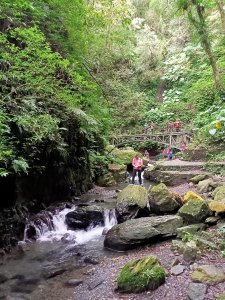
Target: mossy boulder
x: 161, y: 199
x: 208, y: 274
x: 219, y: 193
x: 217, y: 206
x: 220, y: 297
x: 106, y: 180
x: 132, y: 202
x: 118, y: 171
x: 123, y: 156
x: 198, y: 178
x: 192, y: 196
x: 206, y: 185
x: 141, y: 275
x: 194, y: 211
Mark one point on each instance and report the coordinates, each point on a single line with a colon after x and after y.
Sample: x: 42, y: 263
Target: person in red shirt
x: 137, y: 164
x: 177, y: 125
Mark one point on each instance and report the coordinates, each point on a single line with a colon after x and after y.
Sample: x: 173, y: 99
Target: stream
x: 57, y: 252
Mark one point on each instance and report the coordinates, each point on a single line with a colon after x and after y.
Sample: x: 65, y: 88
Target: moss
x: 141, y: 275
x: 133, y: 194
x: 194, y: 211
x: 192, y: 196
x: 221, y: 297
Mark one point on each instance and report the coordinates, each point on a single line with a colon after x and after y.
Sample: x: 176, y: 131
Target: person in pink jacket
x: 137, y: 164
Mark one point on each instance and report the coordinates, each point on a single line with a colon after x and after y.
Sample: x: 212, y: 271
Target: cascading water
x: 53, y: 228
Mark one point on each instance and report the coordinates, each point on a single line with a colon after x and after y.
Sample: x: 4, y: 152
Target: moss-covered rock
x: 123, y: 156
x: 118, y: 171
x: 217, y: 206
x: 194, y: 211
x: 131, y: 202
x: 221, y: 297
x: 206, y: 185
x: 192, y: 196
x: 106, y: 180
x: 198, y: 178
x: 219, y: 193
x: 161, y: 199
x: 141, y: 275
x: 208, y: 274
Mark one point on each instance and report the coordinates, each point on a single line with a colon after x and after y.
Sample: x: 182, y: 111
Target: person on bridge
x: 152, y: 128
x: 170, y: 127
x: 184, y: 146
x: 137, y: 164
x: 145, y: 128
x: 170, y: 153
x: 177, y: 125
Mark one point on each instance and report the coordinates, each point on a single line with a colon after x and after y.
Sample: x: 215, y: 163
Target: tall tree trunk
x: 202, y: 30
x: 222, y: 13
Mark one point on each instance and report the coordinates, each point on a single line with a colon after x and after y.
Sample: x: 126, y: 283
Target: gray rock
x: 212, y: 220
x: 177, y: 270
x: 190, y: 252
x: 3, y: 278
x: 196, y: 291
x: 134, y: 233
x: 208, y: 274
x: 52, y: 272
x: 91, y: 260
x: 73, y: 282
x: 192, y: 229
x: 194, y: 211
x: 95, y: 283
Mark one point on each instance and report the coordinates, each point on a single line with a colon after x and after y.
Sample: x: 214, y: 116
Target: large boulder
x: 141, y: 275
x: 161, y: 199
x: 219, y: 193
x: 84, y: 216
x: 118, y: 171
x: 136, y: 232
x: 194, y: 211
x: 132, y: 202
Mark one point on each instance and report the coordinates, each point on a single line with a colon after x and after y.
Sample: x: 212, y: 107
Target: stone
x: 118, y: 171
x: 196, y: 291
x: 177, y: 270
x: 73, y: 282
x: 106, y: 180
x: 132, y: 202
x: 212, y: 220
x: 208, y: 274
x: 84, y: 216
x: 194, y: 211
x: 141, y: 275
x: 161, y: 199
x: 219, y: 193
x: 50, y: 272
x: 95, y: 283
x: 192, y: 229
x: 206, y: 185
x: 198, y: 178
x: 217, y: 206
x: 3, y: 278
x: 136, y: 232
x: 190, y: 252
x: 178, y: 246
x: 91, y: 260
x: 25, y: 286
x: 192, y: 196
x: 220, y: 297
x: 205, y: 243
x: 124, y: 156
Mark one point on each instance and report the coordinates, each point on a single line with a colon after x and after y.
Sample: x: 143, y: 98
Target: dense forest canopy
x: 110, y: 66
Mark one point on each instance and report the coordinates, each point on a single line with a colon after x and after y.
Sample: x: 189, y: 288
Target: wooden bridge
x: 172, y: 139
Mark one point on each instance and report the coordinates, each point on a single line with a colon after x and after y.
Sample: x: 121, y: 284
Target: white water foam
x: 58, y: 230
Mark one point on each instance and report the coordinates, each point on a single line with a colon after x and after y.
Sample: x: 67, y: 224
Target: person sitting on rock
x: 137, y: 164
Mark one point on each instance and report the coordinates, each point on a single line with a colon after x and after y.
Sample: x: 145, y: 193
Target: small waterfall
x: 53, y: 228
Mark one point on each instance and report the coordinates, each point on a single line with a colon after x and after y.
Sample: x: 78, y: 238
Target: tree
x: 197, y: 16
x: 220, y: 5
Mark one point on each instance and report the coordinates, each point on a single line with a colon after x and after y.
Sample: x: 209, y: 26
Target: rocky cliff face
x: 59, y: 181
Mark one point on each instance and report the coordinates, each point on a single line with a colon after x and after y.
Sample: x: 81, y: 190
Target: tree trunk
x: 202, y: 30
x: 222, y: 13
